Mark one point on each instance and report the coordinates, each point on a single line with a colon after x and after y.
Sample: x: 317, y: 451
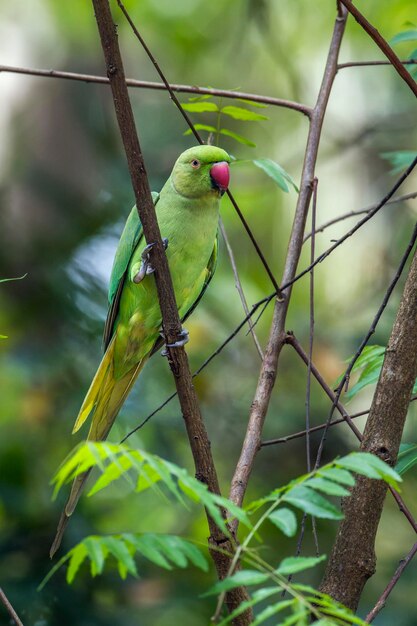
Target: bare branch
x: 277, y: 334
x: 144, y: 84
x: 398, y: 573
x: 344, y: 216
x: 199, y: 442
x: 239, y: 287
x: 342, y: 66
x: 255, y: 307
x: 382, y: 44
x: 291, y: 339
x: 10, y: 608
x: 344, y: 383
x: 358, y: 225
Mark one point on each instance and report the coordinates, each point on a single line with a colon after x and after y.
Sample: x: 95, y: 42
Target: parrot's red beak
x: 220, y: 176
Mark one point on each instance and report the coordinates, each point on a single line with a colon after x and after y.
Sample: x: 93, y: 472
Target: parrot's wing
x: 211, y: 268
x: 129, y: 240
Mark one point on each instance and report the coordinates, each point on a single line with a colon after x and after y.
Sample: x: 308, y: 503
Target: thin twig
x: 353, y: 230
x: 276, y: 340
x: 292, y: 340
x: 311, y: 326
x: 239, y: 287
x: 144, y: 84
x: 398, y: 573
x: 313, y: 429
x: 265, y: 302
x: 354, y: 549
x: 382, y: 44
x: 310, y: 354
x: 346, y: 376
x: 342, y: 66
x: 344, y: 216
x: 10, y: 608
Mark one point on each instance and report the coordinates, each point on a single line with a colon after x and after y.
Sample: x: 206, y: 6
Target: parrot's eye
x: 195, y: 163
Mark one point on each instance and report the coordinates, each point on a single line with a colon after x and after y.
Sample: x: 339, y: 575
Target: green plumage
x: 187, y: 209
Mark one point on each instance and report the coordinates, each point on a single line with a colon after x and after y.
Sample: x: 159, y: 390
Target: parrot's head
x: 201, y: 171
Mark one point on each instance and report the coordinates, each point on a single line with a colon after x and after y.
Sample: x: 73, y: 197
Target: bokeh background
x: 64, y: 195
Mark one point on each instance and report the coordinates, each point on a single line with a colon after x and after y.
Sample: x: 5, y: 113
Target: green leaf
x: 257, y: 596
x: 371, y: 466
x: 286, y: 521
x: 326, y: 486
x: 200, y: 107
x: 117, y: 547
x: 239, y: 138
x: 399, y: 160
x: 239, y: 113
x: 96, y: 553
x: 294, y: 564
x: 406, y: 35
x: 273, y: 609
x: 337, y: 475
x: 311, y: 502
x: 3, y: 337
x: 276, y: 172
x: 147, y: 546
x: 407, y: 458
x: 245, y: 578
x: 253, y: 103
x: 7, y: 280
x: 78, y: 555
x: 370, y: 361
x: 209, y: 129
x: 204, y: 96
x: 369, y: 355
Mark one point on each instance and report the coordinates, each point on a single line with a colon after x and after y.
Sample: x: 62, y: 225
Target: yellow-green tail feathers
x: 105, y: 397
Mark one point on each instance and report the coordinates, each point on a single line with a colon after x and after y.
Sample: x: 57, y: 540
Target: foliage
x: 115, y: 461
x: 407, y: 458
x: 400, y: 159
x: 201, y: 104
x: 164, y: 550
x: 406, y: 36
x: 308, y: 493
x: 369, y: 364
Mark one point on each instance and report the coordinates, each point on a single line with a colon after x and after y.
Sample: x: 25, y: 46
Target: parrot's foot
x: 146, y: 267
x: 183, y: 338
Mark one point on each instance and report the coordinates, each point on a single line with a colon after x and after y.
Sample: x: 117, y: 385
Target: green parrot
x: 187, y: 210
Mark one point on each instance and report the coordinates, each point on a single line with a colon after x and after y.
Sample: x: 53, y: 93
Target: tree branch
x: 344, y: 216
x: 277, y: 335
x: 199, y: 442
x: 4, y: 599
x: 398, y: 573
x: 382, y: 44
x: 342, y: 66
x: 358, y: 225
x: 144, y: 84
x: 291, y: 339
x: 239, y: 287
x: 353, y: 559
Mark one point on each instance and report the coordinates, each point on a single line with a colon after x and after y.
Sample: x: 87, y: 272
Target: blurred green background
x: 65, y: 193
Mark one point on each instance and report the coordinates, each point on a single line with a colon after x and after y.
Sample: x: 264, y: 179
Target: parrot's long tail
x: 106, y: 397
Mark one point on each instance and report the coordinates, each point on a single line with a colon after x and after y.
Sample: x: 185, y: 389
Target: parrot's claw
x: 146, y: 267
x: 183, y: 338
